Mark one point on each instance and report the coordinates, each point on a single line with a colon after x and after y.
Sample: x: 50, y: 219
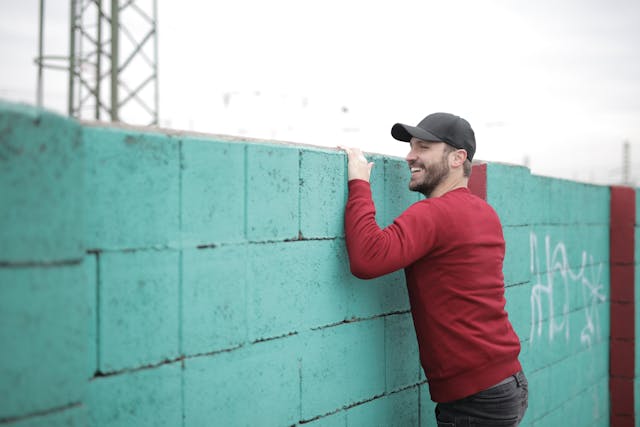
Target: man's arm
x: 374, y: 251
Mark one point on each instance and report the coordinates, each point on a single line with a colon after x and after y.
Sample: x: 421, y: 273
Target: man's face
x: 429, y: 165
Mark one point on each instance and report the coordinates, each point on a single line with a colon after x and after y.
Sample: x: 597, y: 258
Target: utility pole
x: 112, y: 62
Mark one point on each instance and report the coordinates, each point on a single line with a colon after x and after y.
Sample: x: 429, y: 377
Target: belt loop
x: 517, y: 377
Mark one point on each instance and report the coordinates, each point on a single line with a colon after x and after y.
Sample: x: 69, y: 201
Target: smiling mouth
x: 415, y: 170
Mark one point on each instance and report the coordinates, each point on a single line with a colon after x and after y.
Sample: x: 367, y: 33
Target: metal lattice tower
x: 112, y: 62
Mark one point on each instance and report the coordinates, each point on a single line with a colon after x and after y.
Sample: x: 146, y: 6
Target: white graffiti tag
x: 546, y: 288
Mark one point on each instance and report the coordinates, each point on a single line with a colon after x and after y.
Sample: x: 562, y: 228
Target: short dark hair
x: 466, y: 166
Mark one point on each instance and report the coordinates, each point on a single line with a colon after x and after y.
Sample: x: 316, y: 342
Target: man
x: 452, y: 249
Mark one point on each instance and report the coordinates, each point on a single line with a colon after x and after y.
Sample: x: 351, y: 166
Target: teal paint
x: 214, y: 299
x: 43, y: 362
x: 557, y: 237
x: 272, y: 192
x: 427, y: 406
x: 132, y: 189
x: 255, y: 385
x: 341, y: 366
x: 322, y: 193
x: 378, y: 190
x: 213, y: 192
x: 308, y: 293
x: 148, y: 397
x: 516, y: 267
x: 206, y: 279
x: 504, y: 184
x: 41, y: 172
x: 91, y: 285
x: 401, y: 349
x: 138, y: 309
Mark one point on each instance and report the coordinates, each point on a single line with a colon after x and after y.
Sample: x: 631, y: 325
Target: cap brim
x: 405, y: 133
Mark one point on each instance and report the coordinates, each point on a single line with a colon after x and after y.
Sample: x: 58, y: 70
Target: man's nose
x: 410, y: 157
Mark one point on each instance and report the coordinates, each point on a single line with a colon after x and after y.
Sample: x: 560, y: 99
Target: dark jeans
x: 501, y: 405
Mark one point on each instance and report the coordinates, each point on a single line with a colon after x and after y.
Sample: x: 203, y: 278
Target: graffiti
x: 553, y: 283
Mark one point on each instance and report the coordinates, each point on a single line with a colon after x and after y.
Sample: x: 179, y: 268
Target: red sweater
x: 452, y: 250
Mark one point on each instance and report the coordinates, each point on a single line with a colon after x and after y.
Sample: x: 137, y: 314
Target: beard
x: 433, y: 176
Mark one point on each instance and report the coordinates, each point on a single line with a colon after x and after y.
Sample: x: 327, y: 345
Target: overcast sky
x: 556, y: 82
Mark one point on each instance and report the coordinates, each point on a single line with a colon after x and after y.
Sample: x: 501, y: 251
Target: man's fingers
x: 353, y: 152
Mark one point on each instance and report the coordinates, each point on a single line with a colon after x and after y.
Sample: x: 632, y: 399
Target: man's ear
x: 458, y: 157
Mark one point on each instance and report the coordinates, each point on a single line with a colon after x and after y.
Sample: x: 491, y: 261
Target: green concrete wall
x: 150, y: 278
x: 557, y: 288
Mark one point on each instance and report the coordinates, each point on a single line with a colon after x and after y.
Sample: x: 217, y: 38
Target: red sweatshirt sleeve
x: 374, y: 251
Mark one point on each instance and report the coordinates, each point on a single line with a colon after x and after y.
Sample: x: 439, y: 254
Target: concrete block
x: 342, y: 365
x: 637, y: 347
x: 578, y: 332
x: 575, y: 203
x: 399, y: 409
x: 41, y: 177
x: 591, y: 204
x: 378, y: 187
x: 255, y: 385
x: 294, y: 286
x: 214, y: 299
x: 622, y: 358
x: 273, y: 202
x: 623, y: 206
x: 636, y: 244
x: 427, y: 407
x: 91, y: 285
x: 148, y: 397
x: 323, y: 193
x: 540, y: 403
x: 213, y: 191
x: 561, y: 202
x: 43, y: 318
x: 623, y: 283
x: 590, y: 326
x: 76, y: 416
x: 382, y: 295
x: 517, y: 260
x: 504, y: 182
x: 543, y: 350
x: 540, y: 199
x: 636, y: 389
x: 519, y: 308
x: 401, y: 349
x: 622, y: 399
x: 622, y: 321
x: 138, y: 311
x: 573, y: 254
x: 369, y: 298
x: 622, y: 244
x: 621, y: 421
x: 132, y: 192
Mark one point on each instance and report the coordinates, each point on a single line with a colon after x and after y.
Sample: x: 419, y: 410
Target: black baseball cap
x: 440, y: 127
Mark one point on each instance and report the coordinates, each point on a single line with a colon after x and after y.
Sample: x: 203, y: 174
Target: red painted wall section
x: 622, y: 341
x: 478, y: 180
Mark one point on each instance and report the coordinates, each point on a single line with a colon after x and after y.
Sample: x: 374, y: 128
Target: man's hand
x: 358, y: 166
